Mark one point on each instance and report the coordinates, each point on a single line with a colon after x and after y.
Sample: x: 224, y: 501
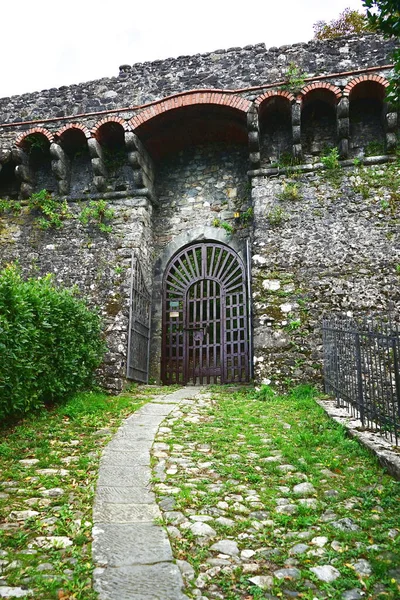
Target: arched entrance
x: 205, y: 321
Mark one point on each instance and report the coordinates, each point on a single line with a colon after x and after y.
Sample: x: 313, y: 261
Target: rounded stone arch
x: 34, y: 130
x: 37, y: 174
x: 117, y: 120
x: 211, y: 97
x: 72, y: 127
x: 367, y: 114
x: 192, y: 119
x: 319, y: 118
x: 353, y: 83
x: 73, y: 138
x: 312, y: 87
x: 276, y: 125
x: 180, y: 242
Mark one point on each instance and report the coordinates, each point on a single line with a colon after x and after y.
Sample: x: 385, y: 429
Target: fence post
x: 359, y: 378
x: 396, y: 365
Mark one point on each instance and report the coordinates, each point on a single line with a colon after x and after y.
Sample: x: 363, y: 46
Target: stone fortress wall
x: 177, y: 146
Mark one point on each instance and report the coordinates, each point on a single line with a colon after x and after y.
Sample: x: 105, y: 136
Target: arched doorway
x: 205, y: 320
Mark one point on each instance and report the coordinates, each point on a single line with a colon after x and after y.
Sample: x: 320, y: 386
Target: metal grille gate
x: 139, y: 326
x: 205, y: 322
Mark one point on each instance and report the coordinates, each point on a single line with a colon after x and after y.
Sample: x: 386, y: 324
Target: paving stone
x: 28, y: 462
x: 326, y: 573
x: 262, y: 581
x: 299, y: 549
x: 105, y: 512
x: 362, y: 567
x: 52, y: 541
x: 202, y: 530
x: 290, y: 573
x: 52, y: 492
x: 345, y: 524
x: 125, y: 495
x: 304, y: 489
x: 125, y: 458
x: 141, y: 582
x: 14, y: 592
x: 228, y: 547
x: 186, y: 569
x: 353, y: 594
x: 118, y: 545
x: 22, y: 515
x: 134, y: 475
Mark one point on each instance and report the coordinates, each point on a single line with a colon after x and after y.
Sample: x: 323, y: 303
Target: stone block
x: 145, y: 582
x: 122, y: 545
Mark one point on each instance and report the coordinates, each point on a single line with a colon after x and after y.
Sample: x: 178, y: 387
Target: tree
x: 349, y: 22
x: 384, y: 17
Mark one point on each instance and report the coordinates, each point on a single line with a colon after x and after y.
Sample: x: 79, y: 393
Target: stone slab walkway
x: 131, y: 552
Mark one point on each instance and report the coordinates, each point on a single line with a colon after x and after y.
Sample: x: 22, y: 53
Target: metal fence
x: 362, y: 370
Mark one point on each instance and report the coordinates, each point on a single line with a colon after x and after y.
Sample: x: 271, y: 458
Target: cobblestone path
x: 132, y: 552
x: 262, y: 501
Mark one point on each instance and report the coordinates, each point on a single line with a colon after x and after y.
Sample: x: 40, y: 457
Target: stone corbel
x: 23, y: 172
x: 296, y: 131
x: 253, y: 129
x: 141, y: 163
x: 60, y: 166
x: 343, y: 126
x: 391, y: 119
x: 98, y: 166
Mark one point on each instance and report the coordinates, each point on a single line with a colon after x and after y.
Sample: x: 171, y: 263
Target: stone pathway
x: 132, y: 553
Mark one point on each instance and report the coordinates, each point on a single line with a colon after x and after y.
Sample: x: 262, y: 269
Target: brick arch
x: 124, y: 124
x: 191, y: 99
x: 272, y: 94
x: 361, y: 79
x: 82, y: 128
x: 311, y: 87
x: 20, y: 139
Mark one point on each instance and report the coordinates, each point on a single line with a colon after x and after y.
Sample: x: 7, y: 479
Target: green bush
x: 50, y: 342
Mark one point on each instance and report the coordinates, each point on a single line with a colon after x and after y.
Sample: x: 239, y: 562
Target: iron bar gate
x: 362, y: 370
x: 205, y: 318
x: 139, y: 325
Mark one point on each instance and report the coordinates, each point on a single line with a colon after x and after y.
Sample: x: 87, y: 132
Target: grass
x: 244, y: 430
x: 69, y: 439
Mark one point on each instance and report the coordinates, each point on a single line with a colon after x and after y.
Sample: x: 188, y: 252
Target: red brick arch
x: 82, y: 128
x: 361, y: 79
x: 47, y: 134
x: 311, y: 87
x: 190, y: 99
x: 122, y: 122
x: 272, y: 94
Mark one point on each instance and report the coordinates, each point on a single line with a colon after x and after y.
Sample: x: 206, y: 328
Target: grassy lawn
x: 46, y: 502
x: 233, y: 462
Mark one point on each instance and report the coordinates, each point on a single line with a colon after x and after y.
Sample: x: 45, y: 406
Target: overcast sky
x: 47, y: 43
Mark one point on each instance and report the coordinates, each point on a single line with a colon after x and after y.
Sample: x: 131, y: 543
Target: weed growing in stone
x: 97, y: 213
x: 276, y: 216
x: 10, y: 206
x: 52, y: 211
x: 295, y: 79
x: 290, y: 191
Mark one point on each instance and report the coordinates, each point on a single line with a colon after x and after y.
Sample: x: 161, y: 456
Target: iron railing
x: 362, y: 370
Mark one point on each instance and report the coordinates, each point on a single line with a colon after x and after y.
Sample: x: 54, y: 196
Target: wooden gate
x: 205, y: 322
x: 139, y: 326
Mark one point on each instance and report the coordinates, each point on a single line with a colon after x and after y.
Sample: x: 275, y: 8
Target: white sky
x: 49, y: 43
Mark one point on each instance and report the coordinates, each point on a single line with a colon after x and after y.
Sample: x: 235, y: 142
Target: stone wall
x: 234, y: 68
x: 330, y: 243
x: 97, y: 263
